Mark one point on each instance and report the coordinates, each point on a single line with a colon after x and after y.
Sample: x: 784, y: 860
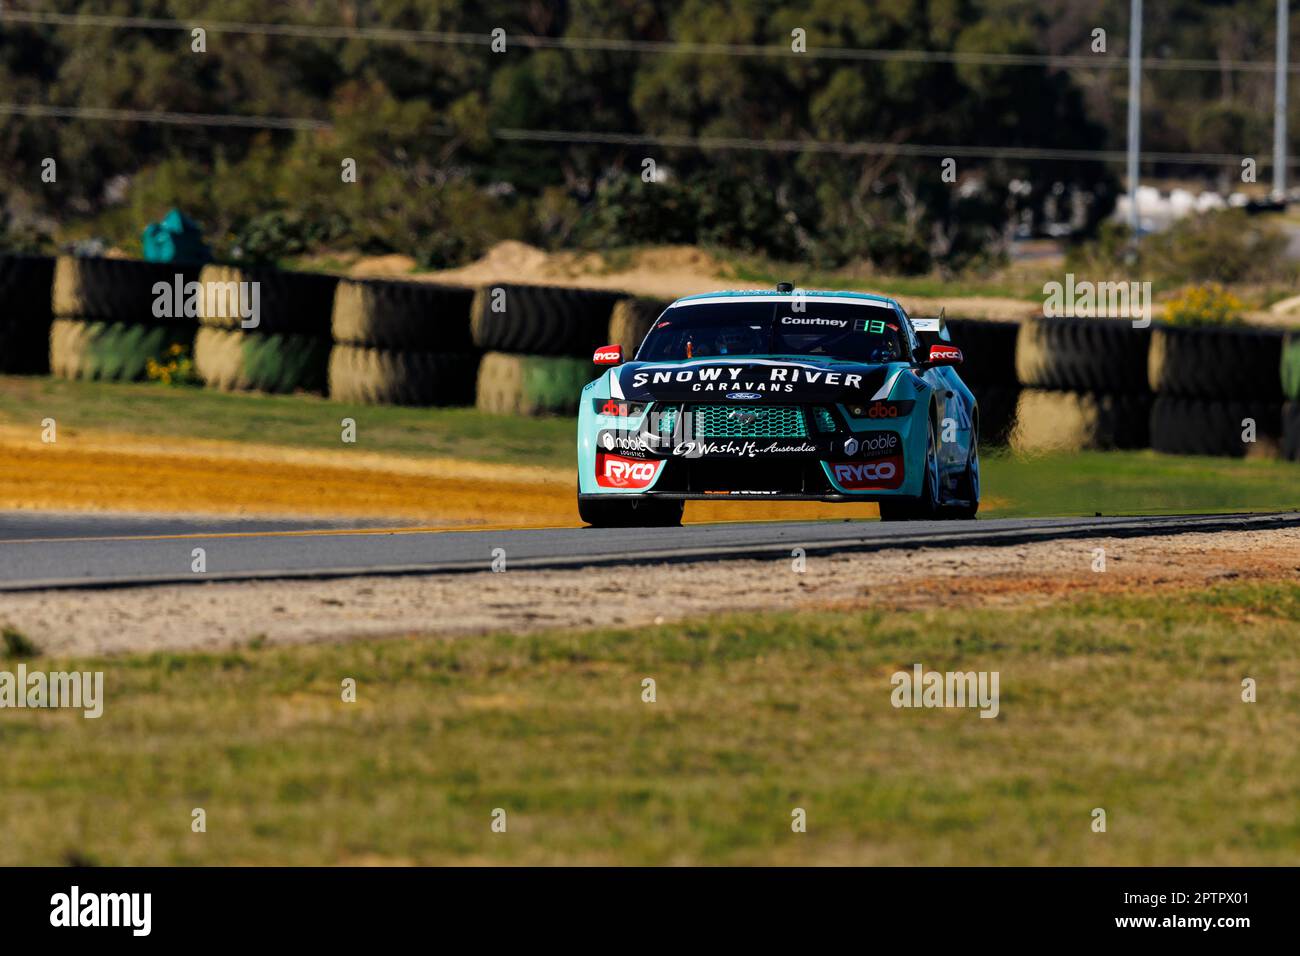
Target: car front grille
x: 757, y: 421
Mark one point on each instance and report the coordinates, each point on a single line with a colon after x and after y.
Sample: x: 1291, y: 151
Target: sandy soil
x: 110, y: 471
x: 98, y: 471
x: 218, y: 615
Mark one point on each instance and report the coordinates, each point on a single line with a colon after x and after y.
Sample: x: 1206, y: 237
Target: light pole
x: 1279, y: 101
x: 1135, y: 107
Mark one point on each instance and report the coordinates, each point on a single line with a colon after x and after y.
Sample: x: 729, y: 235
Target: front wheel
x: 968, y: 490
x: 631, y: 512
x: 925, y: 505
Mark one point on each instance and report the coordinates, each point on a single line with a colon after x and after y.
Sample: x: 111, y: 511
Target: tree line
x: 441, y: 171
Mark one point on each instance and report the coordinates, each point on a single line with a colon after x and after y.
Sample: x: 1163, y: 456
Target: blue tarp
x: 176, y: 238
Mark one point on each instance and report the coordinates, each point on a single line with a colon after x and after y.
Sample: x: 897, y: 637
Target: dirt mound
x: 506, y: 260
x: 662, y: 272
x: 669, y: 272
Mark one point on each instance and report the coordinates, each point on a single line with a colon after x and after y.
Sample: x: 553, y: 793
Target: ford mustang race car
x: 785, y: 395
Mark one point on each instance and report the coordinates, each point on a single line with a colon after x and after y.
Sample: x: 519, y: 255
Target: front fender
x: 592, y: 423
x: 913, y: 429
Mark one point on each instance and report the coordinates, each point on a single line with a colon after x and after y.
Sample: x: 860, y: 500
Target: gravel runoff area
x: 217, y: 616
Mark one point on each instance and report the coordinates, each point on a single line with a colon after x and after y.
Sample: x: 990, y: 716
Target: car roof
x: 852, y: 298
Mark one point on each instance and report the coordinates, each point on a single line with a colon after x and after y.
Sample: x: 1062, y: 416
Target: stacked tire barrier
x: 109, y: 321
x: 25, y: 290
x: 1291, y: 393
x: 1084, y: 385
x: 989, y: 370
x: 287, y: 350
x: 1209, y: 383
x: 1044, y: 384
x: 538, y: 342
x: 402, y: 343
x: 631, y: 320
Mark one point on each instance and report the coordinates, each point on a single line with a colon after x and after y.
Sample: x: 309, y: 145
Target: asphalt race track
x: 51, y: 551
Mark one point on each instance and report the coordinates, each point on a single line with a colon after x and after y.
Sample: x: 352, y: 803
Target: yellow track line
x: 308, y: 532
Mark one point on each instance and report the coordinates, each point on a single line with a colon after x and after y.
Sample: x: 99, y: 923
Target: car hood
x: 757, y: 380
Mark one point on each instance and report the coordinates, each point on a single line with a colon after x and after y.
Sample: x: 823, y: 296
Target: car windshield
x: 856, y: 333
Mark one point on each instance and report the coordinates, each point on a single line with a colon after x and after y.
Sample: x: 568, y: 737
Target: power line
x: 861, y: 149
x: 702, y: 143
x: 617, y: 45
x: 160, y: 116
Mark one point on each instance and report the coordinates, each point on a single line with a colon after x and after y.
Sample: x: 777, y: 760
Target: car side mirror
x: 608, y: 355
x: 941, y: 355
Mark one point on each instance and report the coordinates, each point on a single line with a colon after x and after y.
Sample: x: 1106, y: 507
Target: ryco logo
x: 858, y: 476
x: 615, y: 471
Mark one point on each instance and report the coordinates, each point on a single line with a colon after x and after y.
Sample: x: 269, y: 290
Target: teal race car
x: 786, y: 395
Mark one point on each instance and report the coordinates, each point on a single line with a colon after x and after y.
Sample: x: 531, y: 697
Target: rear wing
x: 931, y: 330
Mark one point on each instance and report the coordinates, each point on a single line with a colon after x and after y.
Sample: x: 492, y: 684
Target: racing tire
x: 541, y: 320
x: 1058, y: 421
x: 1291, y: 366
x: 925, y: 506
x: 1222, y: 363
x: 1086, y: 355
x: 1291, y: 431
x: 289, y: 303
x: 530, y: 384
x: 631, y: 512
x: 373, y: 376
x: 988, y: 351
x: 115, y: 290
x: 230, y: 360
x: 402, y: 314
x: 24, y: 345
x: 631, y: 321
x: 26, y: 283
x: 111, y: 351
x: 997, y: 411
x: 25, y: 291
x: 1191, y: 426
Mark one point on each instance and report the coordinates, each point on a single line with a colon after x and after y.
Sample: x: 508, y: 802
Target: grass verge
x: 1134, y: 482
x: 1129, y: 704
x: 295, y: 421
x: 1058, y: 484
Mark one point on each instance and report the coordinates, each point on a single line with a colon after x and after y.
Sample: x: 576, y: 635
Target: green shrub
x: 17, y: 644
x: 1226, y: 247
x: 729, y: 211
x: 891, y: 248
